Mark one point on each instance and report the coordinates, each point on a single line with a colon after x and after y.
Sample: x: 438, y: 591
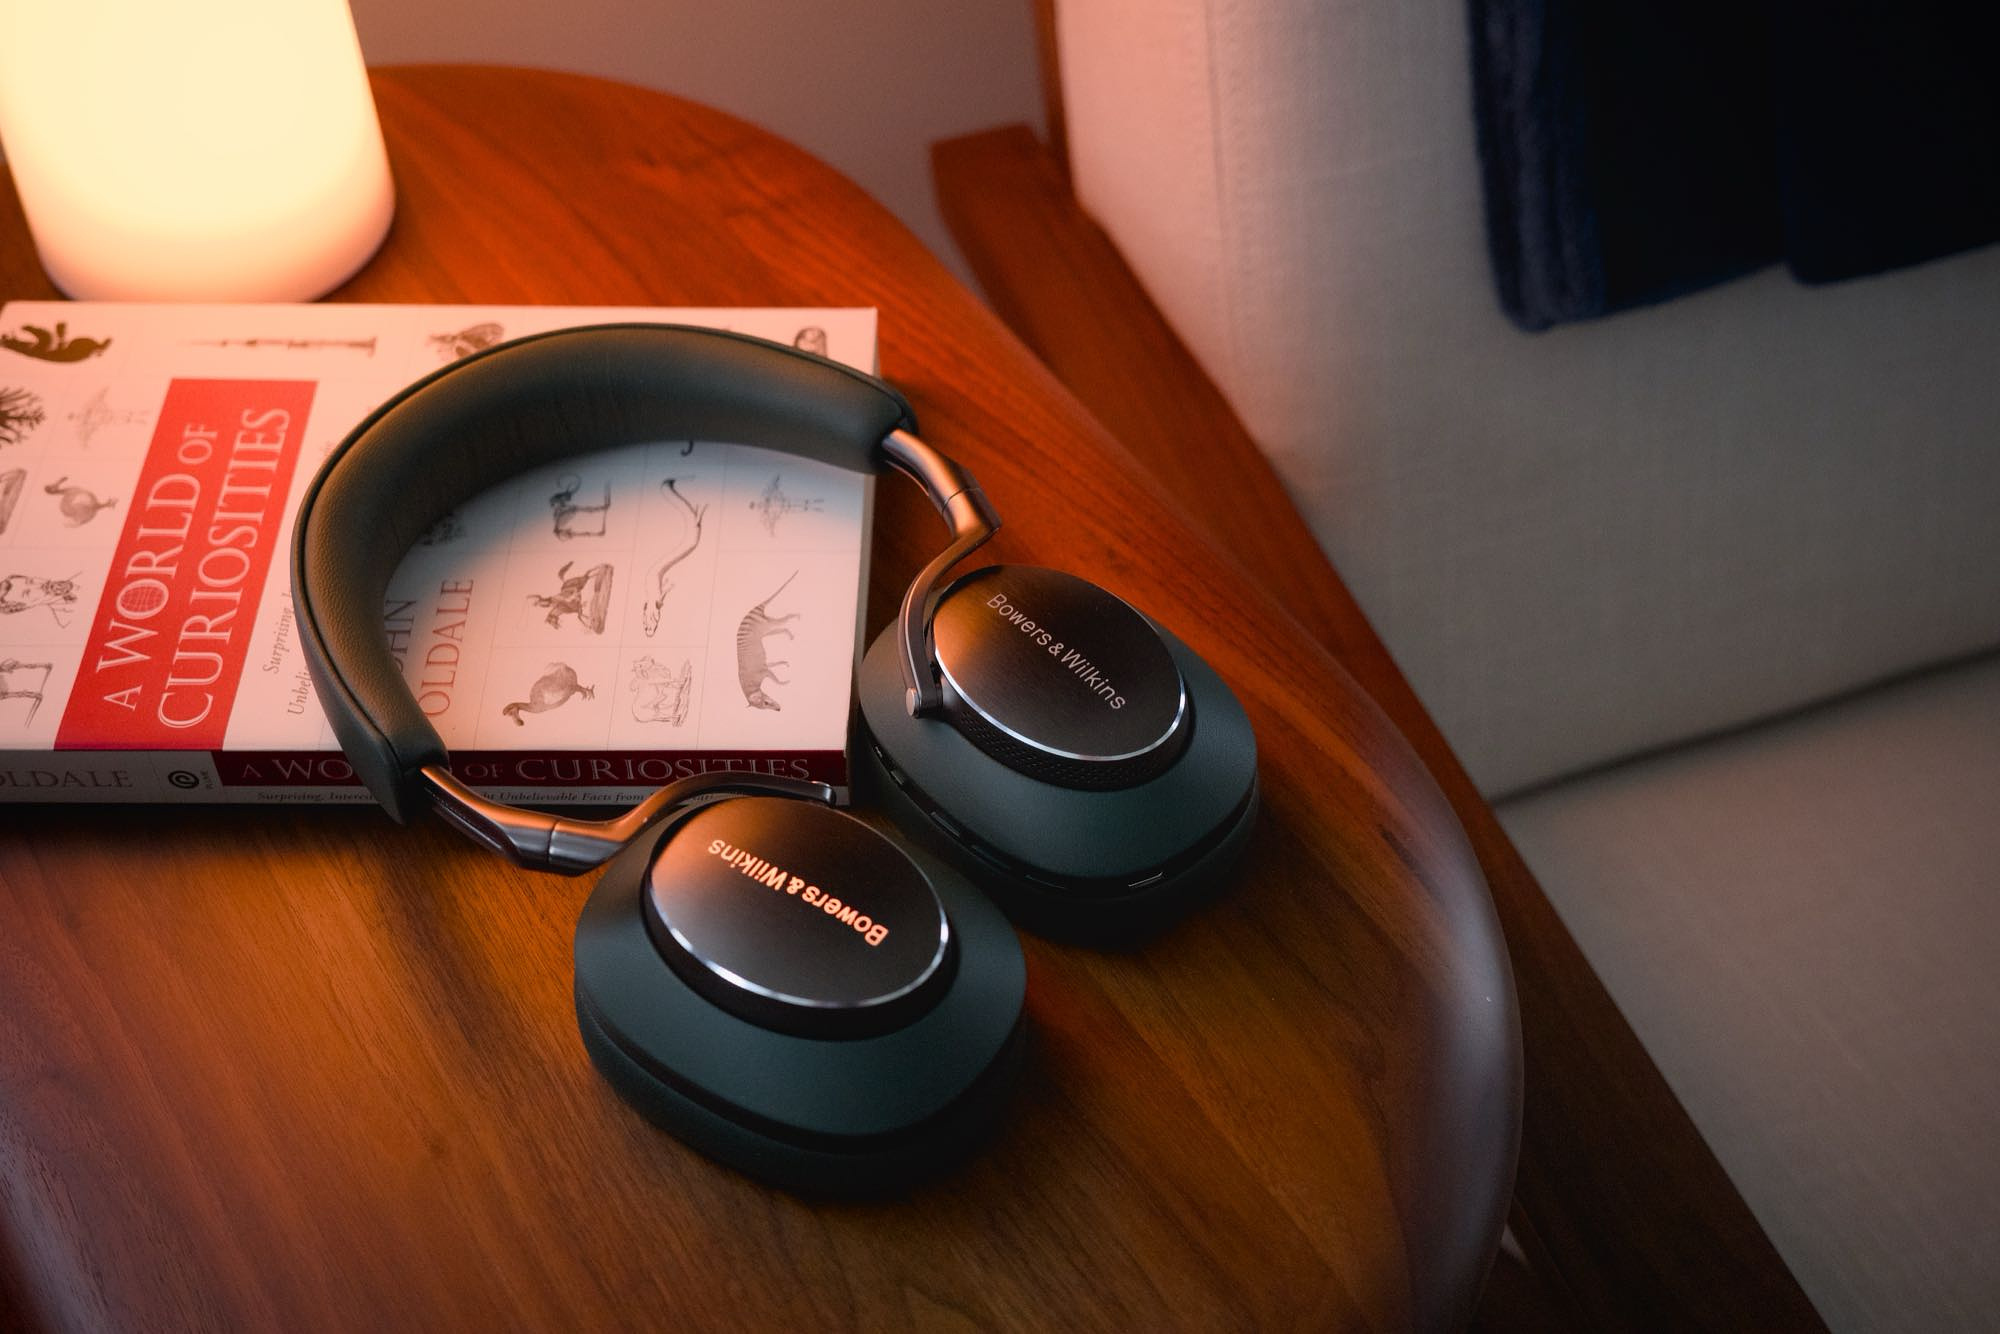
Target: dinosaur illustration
x: 585, y: 596
x: 753, y: 667
x: 656, y: 578
x: 43, y: 345
x: 551, y: 690
x: 659, y: 694
x: 811, y: 339
x: 78, y: 504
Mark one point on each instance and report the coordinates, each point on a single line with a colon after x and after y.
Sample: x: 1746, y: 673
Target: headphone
x: 827, y: 1000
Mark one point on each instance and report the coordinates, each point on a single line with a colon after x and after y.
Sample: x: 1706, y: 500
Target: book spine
x: 306, y: 777
x: 126, y: 776
x: 588, y: 777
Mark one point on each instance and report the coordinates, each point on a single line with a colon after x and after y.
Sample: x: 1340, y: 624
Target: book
x: 580, y: 633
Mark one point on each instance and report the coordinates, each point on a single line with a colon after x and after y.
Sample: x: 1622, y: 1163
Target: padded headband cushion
x: 503, y: 411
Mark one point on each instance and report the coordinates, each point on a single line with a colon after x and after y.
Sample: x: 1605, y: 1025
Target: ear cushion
x: 820, y: 1115
x: 1101, y: 866
x: 503, y: 411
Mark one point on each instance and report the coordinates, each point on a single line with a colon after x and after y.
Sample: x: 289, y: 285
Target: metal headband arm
x: 972, y: 518
x: 544, y: 842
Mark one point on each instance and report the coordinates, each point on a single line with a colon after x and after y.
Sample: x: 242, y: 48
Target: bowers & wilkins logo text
x: 778, y: 878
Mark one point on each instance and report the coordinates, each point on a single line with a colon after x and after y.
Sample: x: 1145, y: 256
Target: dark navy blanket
x: 1634, y: 150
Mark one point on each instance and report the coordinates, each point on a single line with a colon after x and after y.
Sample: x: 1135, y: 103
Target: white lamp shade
x: 193, y: 150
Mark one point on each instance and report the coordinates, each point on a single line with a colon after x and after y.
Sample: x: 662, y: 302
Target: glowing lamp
x: 193, y: 150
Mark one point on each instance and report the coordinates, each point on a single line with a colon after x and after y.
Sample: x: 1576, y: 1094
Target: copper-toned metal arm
x: 544, y: 842
x: 973, y: 520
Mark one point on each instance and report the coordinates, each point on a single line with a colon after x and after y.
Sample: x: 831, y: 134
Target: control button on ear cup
x: 827, y: 1115
x: 1059, y: 679
x: 798, y: 918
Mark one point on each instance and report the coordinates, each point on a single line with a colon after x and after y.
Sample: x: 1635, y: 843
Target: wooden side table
x: 291, y: 1068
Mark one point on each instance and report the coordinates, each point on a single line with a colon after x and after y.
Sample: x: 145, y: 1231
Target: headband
x: 533, y: 402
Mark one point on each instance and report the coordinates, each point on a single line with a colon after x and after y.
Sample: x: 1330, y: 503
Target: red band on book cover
x: 180, y: 600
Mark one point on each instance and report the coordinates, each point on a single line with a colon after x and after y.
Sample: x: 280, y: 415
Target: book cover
x: 583, y: 632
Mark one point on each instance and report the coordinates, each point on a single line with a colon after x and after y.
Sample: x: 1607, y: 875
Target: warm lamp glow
x: 193, y: 150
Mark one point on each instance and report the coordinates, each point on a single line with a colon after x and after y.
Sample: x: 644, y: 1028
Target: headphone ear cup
x: 1102, y: 867
x: 825, y: 1115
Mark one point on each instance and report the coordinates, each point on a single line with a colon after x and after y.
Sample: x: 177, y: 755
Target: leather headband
x: 503, y: 411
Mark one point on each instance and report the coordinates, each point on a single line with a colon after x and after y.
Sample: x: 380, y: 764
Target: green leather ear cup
x: 864, y: 1115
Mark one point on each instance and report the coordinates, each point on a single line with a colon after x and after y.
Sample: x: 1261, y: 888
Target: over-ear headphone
x: 784, y: 985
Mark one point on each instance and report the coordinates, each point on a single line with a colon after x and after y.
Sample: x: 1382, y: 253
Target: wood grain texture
x: 303, y: 1069
x: 1622, y: 1203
